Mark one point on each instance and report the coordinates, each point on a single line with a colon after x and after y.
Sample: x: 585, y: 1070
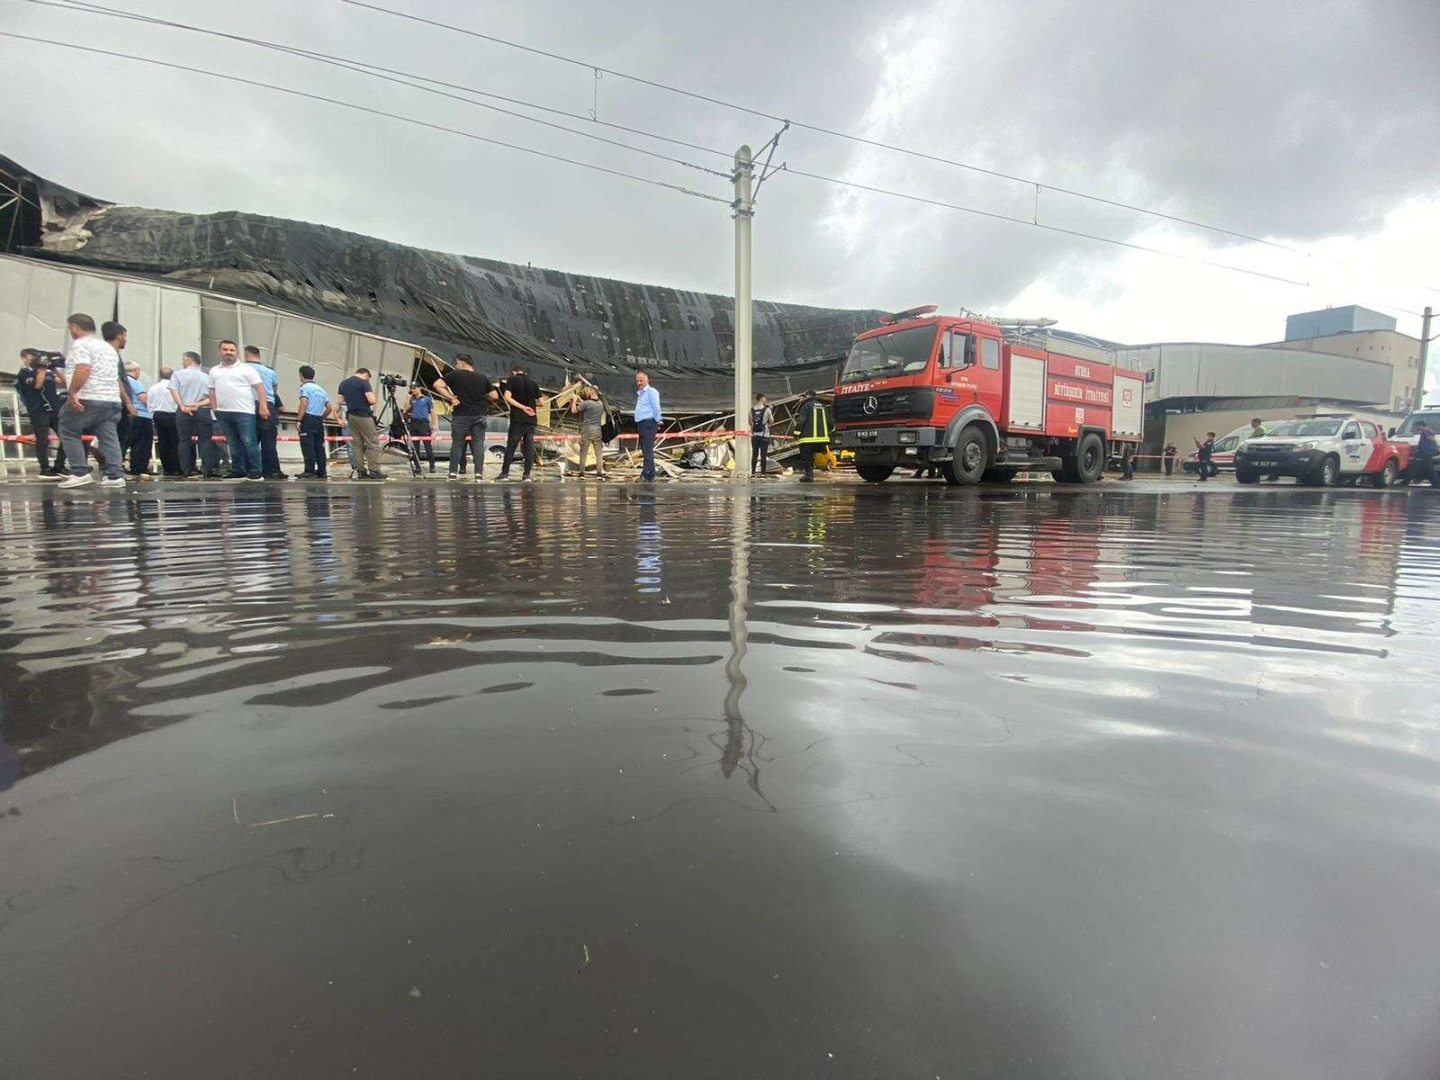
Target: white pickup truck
x: 1323, y: 450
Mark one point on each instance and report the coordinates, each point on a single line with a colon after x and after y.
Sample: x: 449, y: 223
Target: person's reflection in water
x: 648, y: 578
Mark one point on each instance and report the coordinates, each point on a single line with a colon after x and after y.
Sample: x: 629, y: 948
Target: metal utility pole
x: 744, y: 207
x: 1424, y: 352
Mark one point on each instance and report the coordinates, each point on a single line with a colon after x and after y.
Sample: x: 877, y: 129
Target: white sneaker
x: 116, y: 482
x: 77, y: 481
x: 479, y: 478
x: 452, y: 476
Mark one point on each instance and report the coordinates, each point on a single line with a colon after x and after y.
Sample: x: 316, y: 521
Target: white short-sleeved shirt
x: 235, y: 387
x: 159, y: 397
x: 103, y: 383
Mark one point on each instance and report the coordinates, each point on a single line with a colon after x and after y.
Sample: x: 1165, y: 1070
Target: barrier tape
x: 29, y: 440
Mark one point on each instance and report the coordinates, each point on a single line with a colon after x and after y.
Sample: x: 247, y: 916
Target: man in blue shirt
x: 142, y: 427
x: 314, y: 408
x: 647, y: 422
x: 417, y: 416
x: 360, y: 404
x: 194, y: 422
x: 267, y: 428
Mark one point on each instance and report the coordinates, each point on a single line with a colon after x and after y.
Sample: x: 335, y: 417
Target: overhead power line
x: 821, y: 130
x: 393, y: 76
x: 368, y: 110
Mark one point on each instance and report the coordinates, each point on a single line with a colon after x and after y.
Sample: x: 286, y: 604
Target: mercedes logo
x: 871, y: 406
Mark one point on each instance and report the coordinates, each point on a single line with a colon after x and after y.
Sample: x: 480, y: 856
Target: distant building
x: 1341, y: 320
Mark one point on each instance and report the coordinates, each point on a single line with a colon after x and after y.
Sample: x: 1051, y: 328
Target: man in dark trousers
x: 761, y: 417
x: 1169, y: 454
x: 522, y: 394
x: 647, y: 422
x: 36, y: 382
x: 162, y: 414
x: 1422, y: 459
x: 469, y: 394
x: 812, y: 433
x: 194, y: 422
x: 417, y: 423
x: 1203, y: 465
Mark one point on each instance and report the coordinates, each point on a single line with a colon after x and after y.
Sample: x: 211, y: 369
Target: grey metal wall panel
x: 179, y: 325
x: 94, y: 296
x: 14, y: 297
x: 138, y: 309
x: 47, y: 308
x: 219, y: 321
x: 1204, y: 370
x: 332, y: 347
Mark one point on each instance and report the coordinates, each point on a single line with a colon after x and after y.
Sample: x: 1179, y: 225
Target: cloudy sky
x: 1310, y: 124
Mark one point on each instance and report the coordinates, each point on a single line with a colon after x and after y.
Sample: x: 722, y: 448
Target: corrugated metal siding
x: 1204, y: 370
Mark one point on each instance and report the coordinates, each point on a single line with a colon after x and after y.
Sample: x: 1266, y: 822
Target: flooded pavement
x: 627, y: 782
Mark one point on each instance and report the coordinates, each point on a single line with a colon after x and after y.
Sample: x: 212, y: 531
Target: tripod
x: 391, y: 407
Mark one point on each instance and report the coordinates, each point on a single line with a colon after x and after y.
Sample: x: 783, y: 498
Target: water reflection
x: 1037, y: 783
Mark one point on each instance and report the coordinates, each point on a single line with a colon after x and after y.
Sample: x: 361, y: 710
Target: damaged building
x: 308, y: 294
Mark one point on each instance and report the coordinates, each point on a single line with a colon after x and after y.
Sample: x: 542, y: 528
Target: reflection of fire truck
x: 937, y: 390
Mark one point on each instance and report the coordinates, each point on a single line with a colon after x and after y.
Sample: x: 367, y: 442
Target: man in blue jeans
x: 647, y: 422
x: 267, y: 428
x: 92, y: 372
x: 236, y: 396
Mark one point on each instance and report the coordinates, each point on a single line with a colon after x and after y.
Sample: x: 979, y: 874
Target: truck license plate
x: 872, y: 435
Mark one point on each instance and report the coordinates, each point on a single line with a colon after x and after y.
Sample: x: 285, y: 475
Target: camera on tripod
x: 391, y: 382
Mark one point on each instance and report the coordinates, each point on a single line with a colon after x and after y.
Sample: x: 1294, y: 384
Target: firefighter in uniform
x: 812, y: 433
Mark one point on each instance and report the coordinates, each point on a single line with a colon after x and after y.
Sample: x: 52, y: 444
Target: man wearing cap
x: 142, y: 428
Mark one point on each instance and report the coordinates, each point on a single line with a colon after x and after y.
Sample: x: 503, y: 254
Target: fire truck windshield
x: 897, y: 353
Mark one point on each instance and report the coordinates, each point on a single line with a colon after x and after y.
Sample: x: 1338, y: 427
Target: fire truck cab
x: 952, y: 392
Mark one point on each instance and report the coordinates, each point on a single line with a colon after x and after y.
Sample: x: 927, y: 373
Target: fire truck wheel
x: 967, y: 464
x: 875, y: 473
x: 1089, y: 458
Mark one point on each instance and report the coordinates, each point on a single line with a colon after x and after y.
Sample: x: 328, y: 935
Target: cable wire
x: 820, y: 130
x: 366, y: 109
x: 390, y: 75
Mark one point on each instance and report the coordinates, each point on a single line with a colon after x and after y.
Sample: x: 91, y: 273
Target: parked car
x: 1406, y: 431
x: 1323, y: 450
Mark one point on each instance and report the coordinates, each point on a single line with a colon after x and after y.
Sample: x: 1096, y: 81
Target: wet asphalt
x: 701, y: 781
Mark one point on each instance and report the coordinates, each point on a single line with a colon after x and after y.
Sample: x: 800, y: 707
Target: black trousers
x: 167, y: 442
x: 420, y: 429
x: 267, y: 430
x: 1169, y: 466
x: 761, y: 458
x: 647, y: 430
x: 199, y: 426
x: 312, y: 444
x: 42, y: 423
x: 142, y: 440
x: 473, y: 425
x: 807, y: 460
x: 522, y: 435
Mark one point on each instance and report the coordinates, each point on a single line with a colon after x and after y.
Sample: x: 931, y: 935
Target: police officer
x: 1203, y: 465
x: 812, y: 432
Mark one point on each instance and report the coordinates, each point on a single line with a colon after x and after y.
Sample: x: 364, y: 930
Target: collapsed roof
x: 555, y: 323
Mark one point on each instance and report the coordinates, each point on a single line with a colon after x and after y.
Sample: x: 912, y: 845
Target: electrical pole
x: 1424, y: 352
x: 744, y: 207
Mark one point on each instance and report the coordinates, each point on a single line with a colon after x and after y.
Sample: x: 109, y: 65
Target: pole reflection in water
x: 740, y: 743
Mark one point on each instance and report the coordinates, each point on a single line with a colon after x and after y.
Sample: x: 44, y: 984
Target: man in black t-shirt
x: 360, y: 403
x: 522, y: 394
x: 469, y: 394
x: 37, y: 382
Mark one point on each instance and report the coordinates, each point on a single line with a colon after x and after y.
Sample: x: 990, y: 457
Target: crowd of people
x: 92, y: 392
x: 222, y: 422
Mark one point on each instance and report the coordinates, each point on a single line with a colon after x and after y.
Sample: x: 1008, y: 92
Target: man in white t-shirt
x: 92, y: 374
x: 237, y: 394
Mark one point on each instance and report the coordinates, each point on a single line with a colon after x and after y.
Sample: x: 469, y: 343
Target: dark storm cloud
x: 1271, y: 117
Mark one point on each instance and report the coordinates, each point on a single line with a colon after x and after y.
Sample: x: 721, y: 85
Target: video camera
x: 390, y: 382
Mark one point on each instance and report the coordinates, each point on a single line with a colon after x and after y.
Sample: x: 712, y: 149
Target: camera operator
x: 360, y: 417
x: 417, y: 420
x: 39, y: 387
x: 469, y: 394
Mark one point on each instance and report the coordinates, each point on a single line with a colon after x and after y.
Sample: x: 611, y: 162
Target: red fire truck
x: 927, y: 390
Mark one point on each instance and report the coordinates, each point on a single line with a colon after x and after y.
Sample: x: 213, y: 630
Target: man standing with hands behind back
x: 469, y: 394
x: 522, y: 394
x: 190, y: 387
